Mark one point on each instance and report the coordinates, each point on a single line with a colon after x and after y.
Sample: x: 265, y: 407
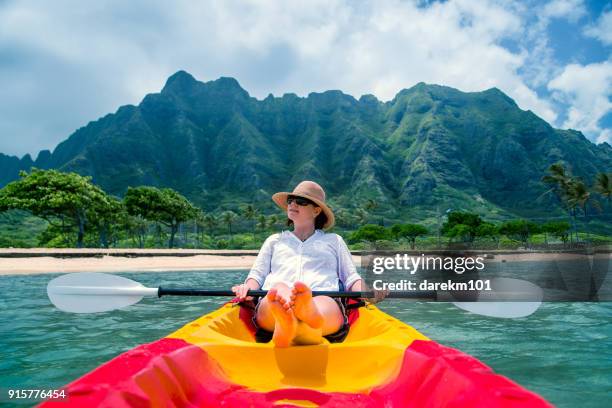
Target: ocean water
x: 563, y: 351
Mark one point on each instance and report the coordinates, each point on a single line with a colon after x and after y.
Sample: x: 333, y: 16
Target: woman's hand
x: 379, y: 295
x: 242, y: 290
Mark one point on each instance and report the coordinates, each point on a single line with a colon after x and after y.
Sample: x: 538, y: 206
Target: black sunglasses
x: 301, y: 201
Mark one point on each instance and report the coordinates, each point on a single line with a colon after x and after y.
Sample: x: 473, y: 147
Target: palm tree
x: 249, y: 213
x: 603, y: 185
x: 199, y: 225
x: 228, y: 218
x: 578, y: 195
x: 262, y: 222
x: 211, y: 222
x: 562, y: 181
x: 273, y: 221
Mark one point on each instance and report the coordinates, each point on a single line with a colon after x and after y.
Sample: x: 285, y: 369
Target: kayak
x: 214, y: 361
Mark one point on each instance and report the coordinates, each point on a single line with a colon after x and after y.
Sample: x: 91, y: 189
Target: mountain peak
x: 43, y: 159
x: 420, y: 87
x: 180, y: 81
x: 331, y: 96
x: 228, y: 82
x: 227, y: 86
x: 369, y: 99
x: 183, y: 83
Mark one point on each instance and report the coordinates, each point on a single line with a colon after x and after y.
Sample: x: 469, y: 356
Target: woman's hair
x: 319, y: 221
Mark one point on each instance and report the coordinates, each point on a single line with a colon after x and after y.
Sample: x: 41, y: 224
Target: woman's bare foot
x: 285, y: 325
x: 303, y: 306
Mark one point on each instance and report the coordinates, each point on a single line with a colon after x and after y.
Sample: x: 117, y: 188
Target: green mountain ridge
x: 430, y: 146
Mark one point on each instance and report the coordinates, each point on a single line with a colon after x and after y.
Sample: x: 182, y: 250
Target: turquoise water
x: 563, y: 351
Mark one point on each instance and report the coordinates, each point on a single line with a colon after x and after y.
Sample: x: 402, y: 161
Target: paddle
x: 499, y: 301
x: 91, y: 292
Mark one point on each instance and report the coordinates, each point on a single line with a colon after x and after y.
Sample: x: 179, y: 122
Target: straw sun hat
x: 313, y: 192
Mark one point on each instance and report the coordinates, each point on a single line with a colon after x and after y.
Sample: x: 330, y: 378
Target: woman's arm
x: 261, y: 268
x: 358, y: 286
x: 347, y: 272
x: 263, y: 262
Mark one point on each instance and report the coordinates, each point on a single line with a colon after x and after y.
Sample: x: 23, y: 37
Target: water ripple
x: 563, y: 351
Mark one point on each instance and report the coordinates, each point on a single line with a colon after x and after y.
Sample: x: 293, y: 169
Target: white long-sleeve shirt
x: 321, y: 262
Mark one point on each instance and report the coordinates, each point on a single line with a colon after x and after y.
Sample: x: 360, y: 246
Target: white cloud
x: 571, y: 10
x: 605, y: 136
x: 602, y: 29
x: 540, y: 64
x: 115, y: 52
x: 587, y: 89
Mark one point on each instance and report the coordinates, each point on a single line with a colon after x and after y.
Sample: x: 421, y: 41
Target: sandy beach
x: 35, y: 265
x: 45, y: 260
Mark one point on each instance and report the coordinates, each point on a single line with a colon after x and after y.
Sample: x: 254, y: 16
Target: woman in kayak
x: 292, y: 264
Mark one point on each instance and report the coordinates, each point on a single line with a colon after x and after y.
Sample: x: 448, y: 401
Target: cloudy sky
x: 64, y: 63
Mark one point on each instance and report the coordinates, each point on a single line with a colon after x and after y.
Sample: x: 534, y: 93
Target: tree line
x: 74, y: 206
x: 465, y: 228
x: 574, y: 195
x: 72, y: 203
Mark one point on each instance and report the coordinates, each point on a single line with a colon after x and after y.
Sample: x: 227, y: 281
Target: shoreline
x: 44, y: 260
x: 108, y: 263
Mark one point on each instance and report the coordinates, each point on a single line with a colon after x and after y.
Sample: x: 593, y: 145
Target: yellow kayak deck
x: 371, y: 354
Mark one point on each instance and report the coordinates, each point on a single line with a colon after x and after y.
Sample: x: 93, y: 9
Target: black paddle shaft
x: 417, y: 295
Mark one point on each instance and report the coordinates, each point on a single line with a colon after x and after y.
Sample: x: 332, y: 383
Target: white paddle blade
x: 95, y: 292
x: 509, y: 310
x: 498, y: 302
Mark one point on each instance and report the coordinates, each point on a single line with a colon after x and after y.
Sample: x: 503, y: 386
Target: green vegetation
x: 409, y: 231
x: 65, y: 200
x: 164, y: 206
x: 519, y: 230
x: 20, y: 229
x: 54, y: 209
x: 462, y: 226
x: 370, y: 233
